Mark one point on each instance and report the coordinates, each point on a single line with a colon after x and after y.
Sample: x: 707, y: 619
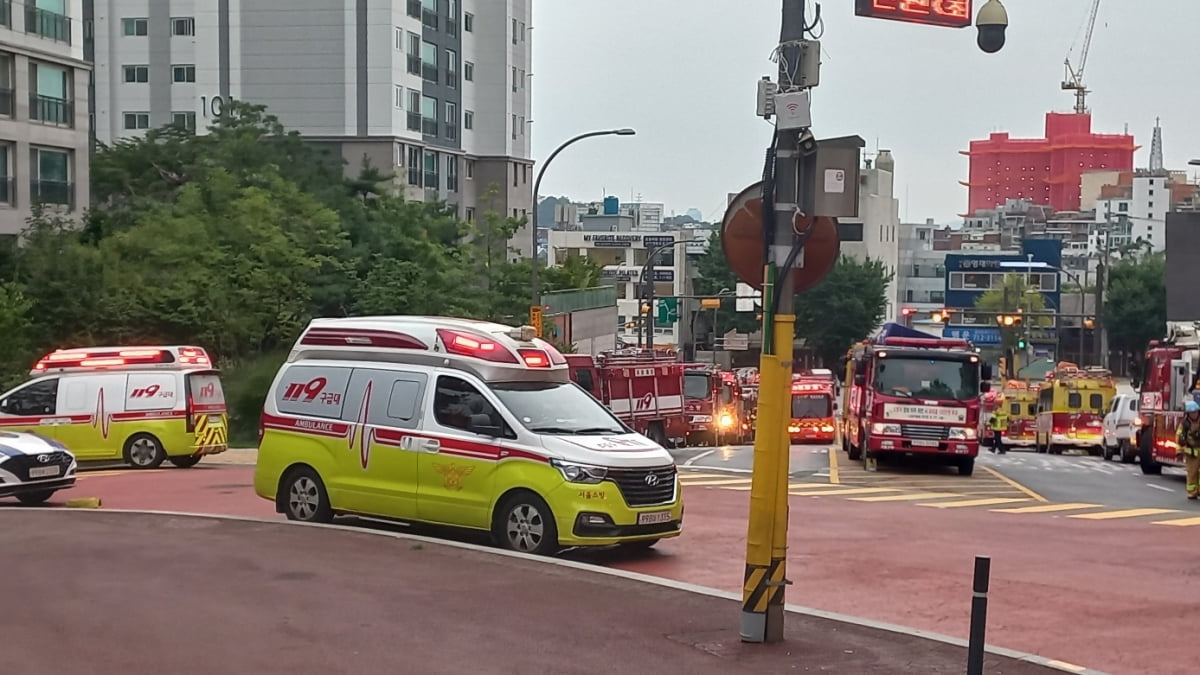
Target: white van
x: 1121, y: 424
x: 457, y: 422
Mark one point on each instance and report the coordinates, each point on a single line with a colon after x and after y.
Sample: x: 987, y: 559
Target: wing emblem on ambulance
x: 101, y: 419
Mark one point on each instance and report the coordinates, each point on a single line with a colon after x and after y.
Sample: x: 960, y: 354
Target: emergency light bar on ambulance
x: 106, y: 358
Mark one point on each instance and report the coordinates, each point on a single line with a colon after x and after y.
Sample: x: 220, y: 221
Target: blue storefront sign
x: 978, y: 336
x: 654, y: 241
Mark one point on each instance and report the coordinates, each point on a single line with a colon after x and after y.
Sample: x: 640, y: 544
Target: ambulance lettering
x: 208, y: 391
x: 151, y: 391
x: 311, y: 391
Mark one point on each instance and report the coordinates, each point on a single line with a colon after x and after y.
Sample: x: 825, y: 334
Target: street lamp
x: 537, y: 186
x: 1082, y: 309
x: 648, y: 287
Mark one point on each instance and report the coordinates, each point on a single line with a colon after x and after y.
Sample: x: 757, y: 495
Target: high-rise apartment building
x: 43, y: 109
x: 435, y: 91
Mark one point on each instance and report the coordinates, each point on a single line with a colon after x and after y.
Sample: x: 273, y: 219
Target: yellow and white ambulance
x: 140, y: 405
x: 457, y: 422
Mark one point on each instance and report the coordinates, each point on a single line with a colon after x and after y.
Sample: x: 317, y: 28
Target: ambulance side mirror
x: 482, y: 425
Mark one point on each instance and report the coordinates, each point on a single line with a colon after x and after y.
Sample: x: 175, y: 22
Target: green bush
x: 246, y: 386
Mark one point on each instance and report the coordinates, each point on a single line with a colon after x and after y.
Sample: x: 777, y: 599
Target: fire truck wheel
x: 1150, y: 467
x: 657, y: 434
x: 853, y: 451
x: 966, y: 467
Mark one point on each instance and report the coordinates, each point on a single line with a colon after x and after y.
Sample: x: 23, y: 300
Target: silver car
x: 33, y: 467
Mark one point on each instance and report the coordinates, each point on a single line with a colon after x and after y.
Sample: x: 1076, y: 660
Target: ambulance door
x: 95, y: 405
x: 384, y: 409
x: 33, y: 407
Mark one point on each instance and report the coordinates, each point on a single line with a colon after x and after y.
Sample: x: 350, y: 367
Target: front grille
x: 923, y: 432
x: 19, y: 466
x: 636, y: 492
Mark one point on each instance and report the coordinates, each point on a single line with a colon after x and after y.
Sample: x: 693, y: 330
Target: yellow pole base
x: 84, y: 503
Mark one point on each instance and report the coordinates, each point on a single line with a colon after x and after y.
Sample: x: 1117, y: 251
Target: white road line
x: 1159, y: 487
x: 698, y: 457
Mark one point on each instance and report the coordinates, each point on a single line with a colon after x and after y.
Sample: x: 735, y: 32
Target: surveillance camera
x: 991, y: 22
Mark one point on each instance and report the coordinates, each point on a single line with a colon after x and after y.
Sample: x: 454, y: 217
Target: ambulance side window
x: 402, y: 403
x: 1096, y: 402
x: 39, y: 398
x: 1074, y: 400
x: 1015, y: 409
x: 455, y: 401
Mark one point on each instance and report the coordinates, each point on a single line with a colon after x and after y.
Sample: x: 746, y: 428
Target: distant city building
x: 921, y: 273
x: 647, y: 216
x: 876, y: 230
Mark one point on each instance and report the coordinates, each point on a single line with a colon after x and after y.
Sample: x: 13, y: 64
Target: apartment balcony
x: 414, y: 175
x: 52, y: 192
x: 414, y: 8
x: 47, y: 24
x: 6, y: 13
x: 51, y: 110
x: 432, y: 180
x: 451, y: 131
x: 429, y: 72
x: 429, y: 18
x: 414, y: 65
x: 429, y: 127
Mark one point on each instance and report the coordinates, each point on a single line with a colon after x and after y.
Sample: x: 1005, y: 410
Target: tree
x: 1135, y: 309
x: 1015, y: 296
x: 844, y: 308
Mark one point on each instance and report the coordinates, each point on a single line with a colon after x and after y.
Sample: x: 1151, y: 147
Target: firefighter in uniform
x: 998, y: 423
x: 1188, y: 436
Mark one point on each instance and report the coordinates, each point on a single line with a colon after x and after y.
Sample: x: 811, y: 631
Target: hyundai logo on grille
x: 46, y: 458
x: 651, y: 479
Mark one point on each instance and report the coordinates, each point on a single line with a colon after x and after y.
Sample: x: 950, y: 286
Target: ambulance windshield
x: 560, y: 408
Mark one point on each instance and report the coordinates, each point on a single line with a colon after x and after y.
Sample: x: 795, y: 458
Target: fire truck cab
x: 812, y: 409
x: 714, y: 405
x: 1170, y: 373
x: 643, y: 389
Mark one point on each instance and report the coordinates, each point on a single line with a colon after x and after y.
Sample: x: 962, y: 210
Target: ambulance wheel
x: 143, y: 451
x: 523, y: 522
x: 966, y: 467
x: 302, y: 496
x: 185, y: 461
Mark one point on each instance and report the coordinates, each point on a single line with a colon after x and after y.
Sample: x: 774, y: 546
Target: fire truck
x: 913, y: 395
x: 714, y: 405
x: 1071, y: 407
x: 643, y: 388
x: 812, y: 408
x: 1169, y: 372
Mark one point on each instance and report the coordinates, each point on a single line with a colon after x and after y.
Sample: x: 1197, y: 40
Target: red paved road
x: 1112, y: 596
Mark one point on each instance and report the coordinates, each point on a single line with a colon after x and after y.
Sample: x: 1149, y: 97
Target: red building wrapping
x: 1044, y: 170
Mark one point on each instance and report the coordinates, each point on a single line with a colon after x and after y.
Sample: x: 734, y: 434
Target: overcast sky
x: 683, y: 73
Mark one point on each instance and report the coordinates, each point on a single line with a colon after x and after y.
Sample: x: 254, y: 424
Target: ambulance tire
x: 144, y: 451
x: 524, y: 508
x: 305, y: 482
x: 185, y: 461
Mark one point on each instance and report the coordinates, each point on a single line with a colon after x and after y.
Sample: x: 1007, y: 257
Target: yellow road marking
x: 1127, y: 513
x: 973, y: 502
x: 915, y: 496
x: 1015, y: 485
x: 1066, y: 666
x: 842, y: 491
x: 834, y: 472
x: 115, y: 472
x: 820, y: 487
x: 712, y: 482
x: 1048, y: 508
x: 1180, y: 522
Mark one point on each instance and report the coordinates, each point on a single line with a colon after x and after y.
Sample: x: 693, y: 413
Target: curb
x: 1054, y: 664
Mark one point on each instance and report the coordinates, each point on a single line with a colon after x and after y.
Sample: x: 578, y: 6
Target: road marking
x: 916, y: 496
x: 1048, y: 508
x: 1015, y: 485
x: 714, y: 482
x: 1063, y: 665
x: 1159, y: 487
x: 834, y: 475
x: 841, y: 491
x: 1179, y: 522
x: 973, y: 502
x: 115, y: 472
x: 698, y: 457
x: 791, y: 486
x: 1127, y: 513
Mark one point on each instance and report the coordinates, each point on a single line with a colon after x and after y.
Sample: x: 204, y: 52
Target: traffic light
x: 1009, y: 320
x: 939, y: 316
x: 1022, y: 343
x: 1089, y: 323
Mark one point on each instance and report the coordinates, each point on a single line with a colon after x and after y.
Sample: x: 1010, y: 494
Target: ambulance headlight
x: 580, y: 473
x: 962, y: 434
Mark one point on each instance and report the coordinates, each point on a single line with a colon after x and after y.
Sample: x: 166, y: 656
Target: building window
x: 414, y: 112
x: 183, y: 25
x: 522, y: 31
x: 399, y: 38
x: 470, y: 169
x: 50, y: 182
x: 414, y: 8
x: 432, y: 178
x: 514, y: 135
x: 429, y: 62
x: 516, y: 178
x: 138, y: 74
x: 414, y: 54
x: 451, y: 122
x: 429, y: 13
x: 451, y: 68
x: 8, y: 91
x: 470, y: 214
x: 514, y: 32
x: 6, y: 179
x: 468, y: 120
x: 183, y: 73
x: 1123, y: 207
x: 135, y: 27
x: 468, y: 22
x: 48, y: 22
x: 452, y: 17
x: 514, y: 78
x: 521, y: 126
x: 137, y: 120
x: 399, y: 95
x: 523, y: 78
x: 48, y: 101
x: 429, y: 116
x: 1150, y: 205
x: 452, y: 173
x: 414, y: 166
x: 468, y: 71
x: 186, y: 119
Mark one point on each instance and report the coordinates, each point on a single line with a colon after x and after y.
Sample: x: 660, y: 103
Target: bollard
x: 84, y: 503
x: 975, y: 653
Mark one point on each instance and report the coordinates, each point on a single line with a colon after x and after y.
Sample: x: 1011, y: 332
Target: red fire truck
x: 714, y: 405
x: 1169, y: 371
x: 748, y: 380
x: 643, y: 389
x: 914, y: 395
x: 812, y: 409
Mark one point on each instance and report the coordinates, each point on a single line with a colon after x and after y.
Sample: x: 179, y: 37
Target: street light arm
x: 648, y: 287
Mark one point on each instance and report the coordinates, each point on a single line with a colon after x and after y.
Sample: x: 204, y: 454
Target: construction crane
x: 1073, y: 80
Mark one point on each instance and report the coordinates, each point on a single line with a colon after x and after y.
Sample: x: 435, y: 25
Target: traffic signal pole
x: 762, y: 615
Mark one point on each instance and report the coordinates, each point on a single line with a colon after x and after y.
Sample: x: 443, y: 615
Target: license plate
x: 44, y: 471
x: 923, y: 443
x: 654, y: 518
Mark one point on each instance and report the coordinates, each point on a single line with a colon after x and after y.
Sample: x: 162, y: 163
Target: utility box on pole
x: 832, y: 174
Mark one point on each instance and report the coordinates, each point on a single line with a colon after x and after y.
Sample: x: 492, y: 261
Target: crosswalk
x: 1063, y: 464
x: 946, y: 497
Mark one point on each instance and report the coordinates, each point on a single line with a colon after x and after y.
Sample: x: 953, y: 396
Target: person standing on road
x: 1188, y: 436
x: 998, y: 423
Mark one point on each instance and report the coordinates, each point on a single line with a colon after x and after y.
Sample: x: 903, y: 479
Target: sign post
x: 535, y: 318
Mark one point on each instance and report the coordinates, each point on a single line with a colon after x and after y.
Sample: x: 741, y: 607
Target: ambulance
x: 140, y: 405
x: 456, y: 422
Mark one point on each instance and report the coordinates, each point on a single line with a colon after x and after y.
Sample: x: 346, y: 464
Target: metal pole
x: 648, y: 288
x: 979, y: 602
x: 762, y: 613
x: 1101, y: 281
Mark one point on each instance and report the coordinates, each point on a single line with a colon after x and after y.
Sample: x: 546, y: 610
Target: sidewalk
x: 183, y: 595
x: 234, y: 456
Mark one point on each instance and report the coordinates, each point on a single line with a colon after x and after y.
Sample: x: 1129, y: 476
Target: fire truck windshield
x: 696, y: 385
x: 937, y: 379
x: 811, y: 406
x: 556, y: 408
